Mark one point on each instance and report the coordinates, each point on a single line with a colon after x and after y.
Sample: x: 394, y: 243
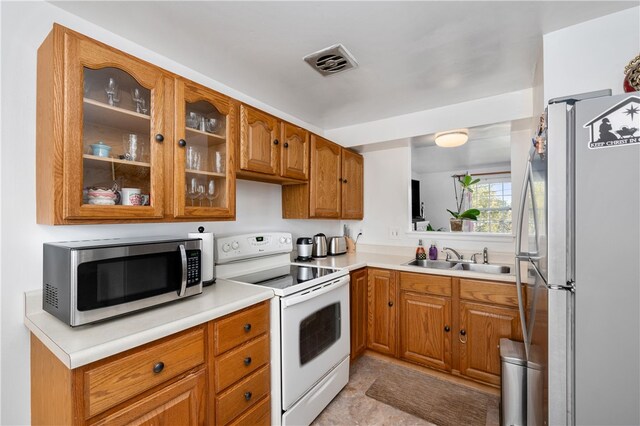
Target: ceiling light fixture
x: 452, y: 138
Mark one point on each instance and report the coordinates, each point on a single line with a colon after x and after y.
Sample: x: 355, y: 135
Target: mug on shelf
x: 131, y: 197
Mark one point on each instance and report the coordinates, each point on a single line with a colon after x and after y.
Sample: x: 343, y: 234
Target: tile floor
x: 353, y: 407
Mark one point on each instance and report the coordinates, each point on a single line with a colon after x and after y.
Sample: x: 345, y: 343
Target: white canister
x: 131, y: 197
x: 208, y: 244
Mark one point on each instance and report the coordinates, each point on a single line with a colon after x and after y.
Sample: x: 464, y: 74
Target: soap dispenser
x: 420, y: 253
x: 433, y: 252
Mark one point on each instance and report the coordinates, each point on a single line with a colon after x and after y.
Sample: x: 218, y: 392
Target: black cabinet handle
x: 247, y: 327
x: 247, y: 361
x: 463, y: 332
x: 462, y: 337
x: 276, y: 142
x: 159, y: 138
x: 390, y: 303
x: 286, y: 144
x: 344, y: 180
x: 446, y: 328
x: 158, y: 367
x: 247, y: 395
x: 182, y: 143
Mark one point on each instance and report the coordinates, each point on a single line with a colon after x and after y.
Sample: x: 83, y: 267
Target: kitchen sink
x: 435, y: 264
x: 485, y: 268
x: 459, y: 266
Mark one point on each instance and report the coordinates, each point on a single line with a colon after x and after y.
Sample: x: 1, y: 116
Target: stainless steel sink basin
x: 486, y: 268
x: 472, y: 267
x: 435, y: 264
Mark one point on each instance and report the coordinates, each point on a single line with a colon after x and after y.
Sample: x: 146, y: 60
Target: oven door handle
x: 183, y: 282
x: 290, y: 301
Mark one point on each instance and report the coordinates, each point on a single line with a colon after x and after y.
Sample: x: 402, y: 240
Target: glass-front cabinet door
x: 114, y: 107
x: 204, y: 168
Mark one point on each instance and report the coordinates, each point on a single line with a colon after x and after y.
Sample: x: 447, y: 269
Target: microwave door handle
x: 183, y: 282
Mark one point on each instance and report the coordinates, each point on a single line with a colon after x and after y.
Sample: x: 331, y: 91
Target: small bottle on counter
x: 420, y: 253
x: 433, y: 252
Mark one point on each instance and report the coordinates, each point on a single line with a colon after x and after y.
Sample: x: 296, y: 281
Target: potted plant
x: 458, y: 216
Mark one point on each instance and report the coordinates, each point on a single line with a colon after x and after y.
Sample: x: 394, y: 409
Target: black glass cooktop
x: 285, y: 276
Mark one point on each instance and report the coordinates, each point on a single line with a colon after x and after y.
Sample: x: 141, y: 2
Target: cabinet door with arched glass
x: 114, y: 117
x: 204, y: 168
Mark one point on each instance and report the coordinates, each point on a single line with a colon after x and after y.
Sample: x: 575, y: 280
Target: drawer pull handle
x: 158, y: 367
x: 182, y: 143
x: 247, y: 396
x: 159, y: 137
x: 247, y: 361
x: 463, y: 336
x: 247, y: 327
x: 390, y: 303
x: 447, y: 328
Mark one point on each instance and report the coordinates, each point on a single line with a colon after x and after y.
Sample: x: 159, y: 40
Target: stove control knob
x: 288, y: 240
x: 235, y: 245
x: 282, y: 240
x: 225, y: 247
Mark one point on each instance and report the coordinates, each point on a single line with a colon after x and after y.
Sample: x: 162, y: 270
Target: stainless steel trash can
x: 521, y: 393
x: 513, y: 392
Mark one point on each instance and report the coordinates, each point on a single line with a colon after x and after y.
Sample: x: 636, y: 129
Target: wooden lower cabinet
x: 425, y: 329
x: 481, y: 328
x: 382, y: 310
x: 175, y: 380
x: 181, y: 403
x: 451, y: 324
x: 358, y: 305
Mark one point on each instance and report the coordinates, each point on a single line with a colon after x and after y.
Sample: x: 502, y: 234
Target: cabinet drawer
x: 114, y: 382
x: 242, y: 396
x: 432, y: 284
x: 259, y: 415
x: 238, y: 328
x: 489, y: 292
x: 240, y: 362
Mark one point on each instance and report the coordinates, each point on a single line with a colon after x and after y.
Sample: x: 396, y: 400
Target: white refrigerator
x: 580, y: 292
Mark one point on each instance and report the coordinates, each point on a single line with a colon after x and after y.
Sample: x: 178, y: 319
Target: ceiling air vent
x: 331, y: 60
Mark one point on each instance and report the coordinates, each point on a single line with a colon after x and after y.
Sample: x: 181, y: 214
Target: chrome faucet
x: 458, y: 255
x: 485, y: 256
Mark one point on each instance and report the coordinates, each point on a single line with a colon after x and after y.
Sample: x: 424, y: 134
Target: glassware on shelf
x: 211, y: 192
x: 138, y: 99
x: 192, y: 190
x: 192, y: 120
x: 113, y: 92
x: 130, y: 146
x: 201, y: 193
x: 144, y: 107
x: 219, y: 162
x: 209, y: 125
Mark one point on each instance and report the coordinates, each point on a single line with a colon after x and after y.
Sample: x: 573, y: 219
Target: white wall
x: 591, y: 55
x: 24, y: 26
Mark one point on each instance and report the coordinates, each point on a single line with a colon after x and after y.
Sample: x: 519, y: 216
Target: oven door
x: 315, y: 336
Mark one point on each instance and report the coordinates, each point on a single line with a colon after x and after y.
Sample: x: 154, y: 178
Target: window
x: 492, y: 196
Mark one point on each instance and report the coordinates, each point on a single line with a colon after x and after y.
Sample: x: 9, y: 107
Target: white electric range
x: 309, y: 321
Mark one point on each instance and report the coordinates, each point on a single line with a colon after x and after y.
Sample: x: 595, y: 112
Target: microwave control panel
x: 193, y: 267
x: 238, y: 247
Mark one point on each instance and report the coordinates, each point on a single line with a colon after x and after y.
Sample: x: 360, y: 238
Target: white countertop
x: 82, y: 345
x: 359, y: 260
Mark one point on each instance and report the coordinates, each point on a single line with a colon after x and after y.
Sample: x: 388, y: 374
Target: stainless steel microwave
x: 88, y: 281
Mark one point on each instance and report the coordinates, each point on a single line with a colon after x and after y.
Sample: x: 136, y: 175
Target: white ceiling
x: 413, y: 55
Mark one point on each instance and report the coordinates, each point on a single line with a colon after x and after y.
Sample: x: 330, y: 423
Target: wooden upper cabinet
x: 259, y: 143
x: 326, y: 179
x: 102, y: 117
x: 294, y: 161
x: 352, y: 185
x: 203, y: 152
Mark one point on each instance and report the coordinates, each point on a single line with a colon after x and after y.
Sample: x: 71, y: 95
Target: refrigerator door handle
x: 523, y: 201
x: 523, y: 319
x: 527, y: 185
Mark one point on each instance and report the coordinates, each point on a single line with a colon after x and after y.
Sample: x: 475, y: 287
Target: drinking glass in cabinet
x: 211, y: 192
x: 113, y: 92
x: 138, y: 99
x: 192, y: 120
x: 130, y: 147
